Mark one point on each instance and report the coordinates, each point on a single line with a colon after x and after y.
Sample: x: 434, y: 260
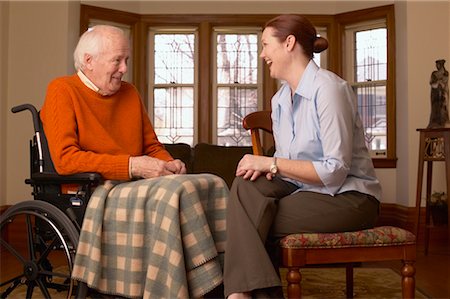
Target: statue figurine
x: 439, y: 97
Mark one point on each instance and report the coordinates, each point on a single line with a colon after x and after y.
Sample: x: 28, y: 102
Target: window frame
x: 366, y: 16
x: 350, y: 63
x: 334, y: 25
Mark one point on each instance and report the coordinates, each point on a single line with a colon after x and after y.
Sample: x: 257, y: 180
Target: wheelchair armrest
x: 54, y: 178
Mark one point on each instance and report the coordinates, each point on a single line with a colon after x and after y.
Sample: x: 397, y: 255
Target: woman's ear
x: 290, y: 42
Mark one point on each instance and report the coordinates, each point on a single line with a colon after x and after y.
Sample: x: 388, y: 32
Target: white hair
x: 93, y: 41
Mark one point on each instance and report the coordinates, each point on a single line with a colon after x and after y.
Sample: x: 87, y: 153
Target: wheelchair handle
x: 33, y: 111
x: 35, y: 115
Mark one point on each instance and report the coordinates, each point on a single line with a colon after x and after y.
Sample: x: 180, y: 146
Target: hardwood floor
x: 432, y: 270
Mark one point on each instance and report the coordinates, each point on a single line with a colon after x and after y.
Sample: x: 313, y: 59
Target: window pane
x: 174, y: 114
x: 237, y: 61
x: 316, y: 58
x: 174, y: 58
x: 237, y: 58
x: 371, y: 55
x: 372, y: 109
x: 234, y: 103
x: 173, y: 87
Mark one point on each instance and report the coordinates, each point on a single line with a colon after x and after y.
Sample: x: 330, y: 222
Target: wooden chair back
x: 256, y: 121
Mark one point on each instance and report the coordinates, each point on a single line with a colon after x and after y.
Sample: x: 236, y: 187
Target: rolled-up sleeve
x: 336, y: 112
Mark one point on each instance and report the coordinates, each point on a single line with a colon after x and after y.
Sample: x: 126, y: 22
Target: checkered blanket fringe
x: 154, y: 238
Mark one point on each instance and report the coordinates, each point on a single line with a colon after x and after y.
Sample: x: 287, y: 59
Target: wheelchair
x: 39, y: 237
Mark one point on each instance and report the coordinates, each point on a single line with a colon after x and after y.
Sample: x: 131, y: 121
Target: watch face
x: 273, y: 169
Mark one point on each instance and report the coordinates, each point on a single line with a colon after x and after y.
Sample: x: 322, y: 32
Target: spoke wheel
x: 38, y: 243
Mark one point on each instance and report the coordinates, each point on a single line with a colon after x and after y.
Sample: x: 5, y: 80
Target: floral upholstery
x: 378, y: 236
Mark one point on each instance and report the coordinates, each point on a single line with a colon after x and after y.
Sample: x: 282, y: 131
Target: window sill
x: 384, y: 162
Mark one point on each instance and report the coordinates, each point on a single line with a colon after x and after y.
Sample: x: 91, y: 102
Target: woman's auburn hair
x: 303, y: 31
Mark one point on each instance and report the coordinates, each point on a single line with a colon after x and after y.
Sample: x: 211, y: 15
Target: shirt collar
x: 86, y: 81
x: 305, y: 87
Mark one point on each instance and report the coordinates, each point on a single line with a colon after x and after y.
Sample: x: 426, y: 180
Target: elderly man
x: 158, y: 237
x: 95, y: 122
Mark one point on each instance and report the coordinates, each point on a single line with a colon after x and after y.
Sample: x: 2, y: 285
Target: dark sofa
x: 209, y: 158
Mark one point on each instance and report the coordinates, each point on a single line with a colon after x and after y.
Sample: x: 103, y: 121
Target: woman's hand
x: 251, y: 167
x: 148, y: 167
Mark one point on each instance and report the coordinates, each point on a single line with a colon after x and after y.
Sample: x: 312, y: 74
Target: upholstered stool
x: 376, y: 244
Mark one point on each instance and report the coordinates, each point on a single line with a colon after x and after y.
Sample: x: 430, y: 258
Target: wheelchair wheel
x: 38, y: 244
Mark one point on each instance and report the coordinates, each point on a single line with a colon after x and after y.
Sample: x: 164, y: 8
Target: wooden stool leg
x: 408, y: 279
x: 294, y: 280
x: 349, y: 280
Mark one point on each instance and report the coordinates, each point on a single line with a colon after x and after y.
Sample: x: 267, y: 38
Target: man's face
x: 107, y: 68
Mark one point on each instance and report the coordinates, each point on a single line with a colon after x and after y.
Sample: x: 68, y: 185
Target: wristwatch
x: 274, y: 167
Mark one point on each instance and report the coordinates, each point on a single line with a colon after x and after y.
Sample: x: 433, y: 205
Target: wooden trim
x: 364, y: 14
x: 405, y: 217
x: 396, y: 215
x: 391, y: 87
x: 204, y: 84
x: 88, y: 12
x: 4, y: 208
x: 15, y: 232
x: 140, y: 61
x: 384, y: 163
x: 4, y: 234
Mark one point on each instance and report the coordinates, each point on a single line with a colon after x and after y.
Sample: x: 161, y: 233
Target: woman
x: 321, y: 178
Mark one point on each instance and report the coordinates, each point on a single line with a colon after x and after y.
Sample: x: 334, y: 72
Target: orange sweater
x: 87, y: 132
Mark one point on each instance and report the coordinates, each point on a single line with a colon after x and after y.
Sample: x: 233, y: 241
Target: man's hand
x: 147, y: 167
x: 176, y: 166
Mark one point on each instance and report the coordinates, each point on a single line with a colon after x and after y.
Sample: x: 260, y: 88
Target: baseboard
x: 390, y: 214
x: 5, y: 233
x: 17, y: 232
x: 4, y: 208
x: 405, y: 217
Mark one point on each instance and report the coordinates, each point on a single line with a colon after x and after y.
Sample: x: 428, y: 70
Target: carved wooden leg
x: 408, y: 279
x: 294, y: 279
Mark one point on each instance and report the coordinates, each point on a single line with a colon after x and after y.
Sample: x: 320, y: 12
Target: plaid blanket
x: 154, y: 238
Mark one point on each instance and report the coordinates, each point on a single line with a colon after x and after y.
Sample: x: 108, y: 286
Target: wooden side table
x: 434, y: 146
